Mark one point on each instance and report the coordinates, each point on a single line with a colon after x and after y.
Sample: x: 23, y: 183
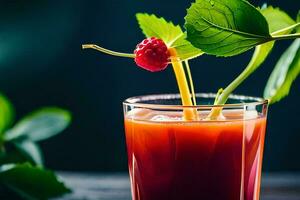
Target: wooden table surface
x: 87, y: 186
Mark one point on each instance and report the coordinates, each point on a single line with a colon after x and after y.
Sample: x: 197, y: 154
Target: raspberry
x: 152, y: 54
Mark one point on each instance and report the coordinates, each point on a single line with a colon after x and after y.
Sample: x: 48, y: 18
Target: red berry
x: 152, y: 54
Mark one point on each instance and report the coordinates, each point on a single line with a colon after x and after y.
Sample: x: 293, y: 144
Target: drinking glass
x: 170, y: 158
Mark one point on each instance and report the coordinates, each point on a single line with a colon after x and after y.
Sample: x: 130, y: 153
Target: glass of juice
x: 171, y: 158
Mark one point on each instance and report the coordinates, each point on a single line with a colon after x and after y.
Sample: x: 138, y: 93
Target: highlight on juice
x: 205, y: 145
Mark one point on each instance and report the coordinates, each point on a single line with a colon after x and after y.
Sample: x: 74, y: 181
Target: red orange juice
x: 173, y: 159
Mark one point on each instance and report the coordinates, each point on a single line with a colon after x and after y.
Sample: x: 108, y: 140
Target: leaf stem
x: 218, y: 95
x: 233, y: 85
x: 285, y: 37
x: 251, y: 67
x: 107, y: 51
x: 223, y: 95
x: 285, y: 29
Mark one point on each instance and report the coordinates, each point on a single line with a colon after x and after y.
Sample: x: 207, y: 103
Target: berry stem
x: 188, y: 113
x: 107, y: 51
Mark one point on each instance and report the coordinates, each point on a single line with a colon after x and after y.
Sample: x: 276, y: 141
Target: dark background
x: 41, y: 63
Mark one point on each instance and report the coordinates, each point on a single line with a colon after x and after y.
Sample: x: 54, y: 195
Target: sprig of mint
x: 285, y: 71
x: 277, y: 20
x: 223, y: 28
x: 21, y: 160
x: 172, y: 35
x: 227, y: 27
x: 231, y: 27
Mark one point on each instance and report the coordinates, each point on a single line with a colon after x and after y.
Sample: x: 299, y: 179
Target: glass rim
x: 134, y: 101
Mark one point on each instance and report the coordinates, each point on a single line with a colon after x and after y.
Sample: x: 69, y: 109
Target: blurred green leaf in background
x: 21, y: 159
x: 31, y: 182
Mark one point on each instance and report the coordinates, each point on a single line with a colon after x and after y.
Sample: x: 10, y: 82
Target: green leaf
x: 13, y: 156
x: 260, y: 54
x: 225, y: 27
x: 298, y: 21
x: 32, y: 182
x: 41, y: 124
x: 30, y: 150
x: 20, y: 151
x: 277, y: 19
x: 285, y: 72
x: 172, y: 35
x: 6, y: 113
x: 184, y: 48
x: 153, y: 26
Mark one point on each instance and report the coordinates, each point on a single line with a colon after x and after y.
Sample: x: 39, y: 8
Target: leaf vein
x: 227, y: 29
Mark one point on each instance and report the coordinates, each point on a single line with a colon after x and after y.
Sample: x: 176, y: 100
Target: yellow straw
x: 188, y: 69
x: 189, y: 114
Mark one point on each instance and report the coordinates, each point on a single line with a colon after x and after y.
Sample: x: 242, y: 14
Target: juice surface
x: 172, y: 159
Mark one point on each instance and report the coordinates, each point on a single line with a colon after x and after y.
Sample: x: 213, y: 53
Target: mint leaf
x: 30, y: 150
x: 285, y: 72
x: 31, y: 182
x: 7, y: 113
x: 40, y: 125
x: 153, y: 26
x: 298, y: 21
x: 172, y: 35
x: 185, y: 49
x: 277, y: 19
x: 225, y: 27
